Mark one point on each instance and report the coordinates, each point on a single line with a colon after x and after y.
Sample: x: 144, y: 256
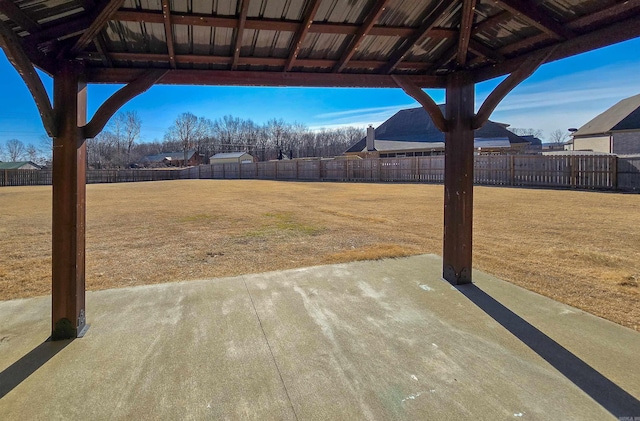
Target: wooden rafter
x: 466, y: 26
x: 118, y: 99
x: 242, y: 20
x: 250, y: 78
x: 491, y: 22
x: 524, y: 71
x: 482, y: 50
x: 101, y: 47
x: 59, y: 31
x: 128, y: 15
x: 370, y: 20
x: 100, y: 16
x: 301, y: 33
x: 254, y: 61
x: 13, y: 12
x: 168, y: 32
x: 446, y: 57
x: 614, y: 33
x: 610, y: 12
x: 423, y: 99
x: 430, y: 21
x: 527, y: 11
x: 22, y: 63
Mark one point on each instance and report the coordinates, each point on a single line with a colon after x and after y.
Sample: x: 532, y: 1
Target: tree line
x: 118, y: 145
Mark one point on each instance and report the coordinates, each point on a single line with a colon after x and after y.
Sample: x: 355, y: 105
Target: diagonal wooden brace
x: 507, y: 85
x: 118, y: 99
x: 424, y: 99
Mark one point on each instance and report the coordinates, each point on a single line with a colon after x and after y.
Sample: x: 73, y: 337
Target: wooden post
x: 69, y: 177
x: 458, y: 179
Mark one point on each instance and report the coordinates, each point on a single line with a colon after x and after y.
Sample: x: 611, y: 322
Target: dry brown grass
x: 581, y: 248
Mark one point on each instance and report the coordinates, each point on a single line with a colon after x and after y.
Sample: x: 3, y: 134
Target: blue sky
x: 563, y: 94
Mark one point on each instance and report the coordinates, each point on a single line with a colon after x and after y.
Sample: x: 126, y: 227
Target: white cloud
x: 360, y: 117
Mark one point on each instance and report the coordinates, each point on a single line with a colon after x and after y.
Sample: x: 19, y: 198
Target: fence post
x: 512, y: 170
x: 613, y: 169
x: 573, y: 171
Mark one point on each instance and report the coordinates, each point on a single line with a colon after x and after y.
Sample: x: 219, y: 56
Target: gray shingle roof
x: 224, y: 155
x: 179, y: 156
x: 16, y: 165
x: 415, y: 125
x: 625, y: 115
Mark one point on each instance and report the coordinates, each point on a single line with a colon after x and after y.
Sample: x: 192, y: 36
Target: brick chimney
x: 371, y: 136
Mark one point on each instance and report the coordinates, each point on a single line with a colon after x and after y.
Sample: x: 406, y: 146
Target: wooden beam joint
x: 118, y: 99
x: 423, y: 99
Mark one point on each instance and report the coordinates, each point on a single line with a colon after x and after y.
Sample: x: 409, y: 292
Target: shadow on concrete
x: 19, y: 371
x: 608, y: 394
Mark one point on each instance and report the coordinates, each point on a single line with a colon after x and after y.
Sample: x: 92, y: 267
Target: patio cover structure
x: 408, y: 44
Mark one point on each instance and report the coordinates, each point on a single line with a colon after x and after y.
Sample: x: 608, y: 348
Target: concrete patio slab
x: 368, y: 340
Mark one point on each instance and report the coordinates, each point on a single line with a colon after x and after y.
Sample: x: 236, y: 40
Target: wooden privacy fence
x: 577, y: 171
x: 44, y: 177
x: 564, y: 171
x: 629, y: 173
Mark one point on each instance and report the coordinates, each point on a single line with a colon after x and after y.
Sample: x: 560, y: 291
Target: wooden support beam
x: 466, y: 26
x: 13, y: 12
x: 101, y: 47
x: 18, y: 58
x: 301, y: 33
x: 69, y: 202
x: 419, y: 34
x: 445, y: 58
x: 195, y: 19
x: 168, y: 32
x: 458, y: 180
x: 242, y: 20
x: 66, y: 29
x: 507, y: 85
x: 423, y: 99
x: 248, y: 78
x: 608, y: 35
x: 100, y: 16
x: 527, y: 11
x: 480, y: 49
x: 118, y: 99
x: 162, y: 59
x: 370, y: 20
x: 492, y: 21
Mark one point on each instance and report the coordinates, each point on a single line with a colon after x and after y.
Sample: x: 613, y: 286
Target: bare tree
x: 131, y: 125
x: 15, y: 149
x: 32, y: 153
x: 527, y: 132
x: 46, y: 148
x: 189, y: 131
x: 558, y: 136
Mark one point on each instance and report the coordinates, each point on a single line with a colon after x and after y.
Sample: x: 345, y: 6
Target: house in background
x: 535, y: 145
x: 411, y: 132
x: 21, y: 165
x: 172, y: 159
x: 616, y: 130
x: 231, y: 157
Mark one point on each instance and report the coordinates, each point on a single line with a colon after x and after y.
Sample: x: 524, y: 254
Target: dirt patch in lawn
x: 581, y: 248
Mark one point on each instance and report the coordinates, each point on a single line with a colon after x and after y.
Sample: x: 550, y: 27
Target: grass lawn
x: 581, y: 248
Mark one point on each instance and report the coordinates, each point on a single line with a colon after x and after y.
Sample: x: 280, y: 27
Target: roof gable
x: 416, y: 125
x: 622, y: 116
